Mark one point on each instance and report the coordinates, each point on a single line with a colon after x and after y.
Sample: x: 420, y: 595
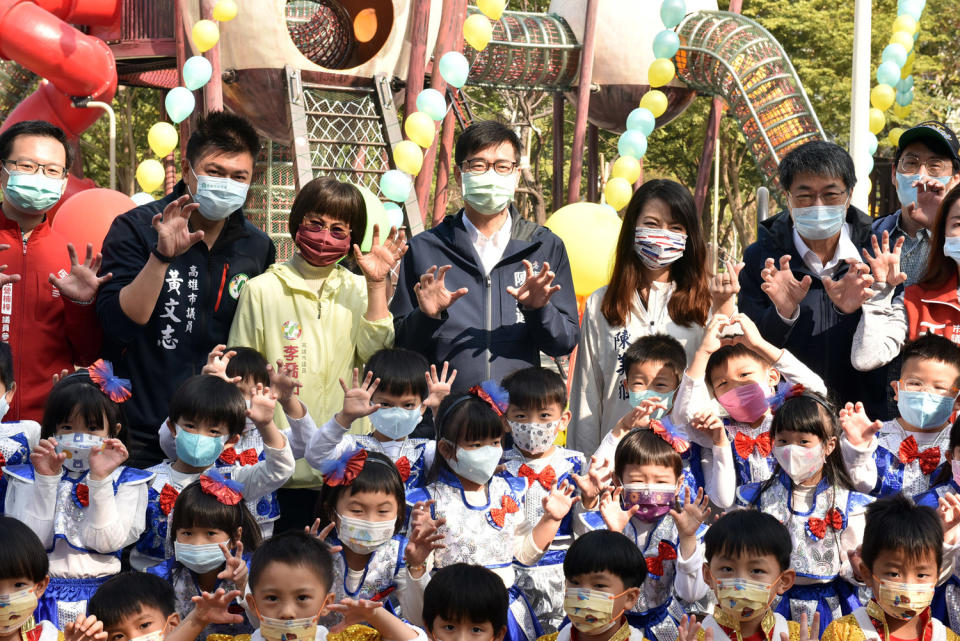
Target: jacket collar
x: 732, y: 627
x: 292, y: 278
x: 453, y: 232
x: 39, y: 231
x: 946, y: 293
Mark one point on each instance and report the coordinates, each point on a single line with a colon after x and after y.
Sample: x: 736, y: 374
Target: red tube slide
x: 36, y: 36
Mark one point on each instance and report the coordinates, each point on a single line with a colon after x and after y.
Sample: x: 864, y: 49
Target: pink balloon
x: 86, y: 216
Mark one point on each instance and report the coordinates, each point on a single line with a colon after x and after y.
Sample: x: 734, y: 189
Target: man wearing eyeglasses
x: 486, y: 289
x: 46, y: 313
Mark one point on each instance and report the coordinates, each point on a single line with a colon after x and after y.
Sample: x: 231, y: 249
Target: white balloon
x: 142, y: 198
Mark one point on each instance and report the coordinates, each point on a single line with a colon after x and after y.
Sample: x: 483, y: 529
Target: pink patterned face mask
x: 746, y: 403
x: 653, y: 499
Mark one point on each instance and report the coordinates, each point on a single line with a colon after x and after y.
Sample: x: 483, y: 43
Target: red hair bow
x: 493, y: 395
x: 117, y: 389
x: 817, y: 528
x: 499, y: 514
x: 665, y: 552
x: 231, y: 456
x: 546, y: 478
x: 342, y: 470
x: 668, y: 432
x: 910, y: 452
x: 745, y: 445
x: 223, y: 489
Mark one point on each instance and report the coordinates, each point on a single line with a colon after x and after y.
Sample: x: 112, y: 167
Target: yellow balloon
x: 907, y: 66
x: 478, y: 31
x: 905, y: 23
x: 894, y: 136
x: 205, y: 33
x: 589, y: 232
x: 877, y: 121
x: 420, y: 128
x: 493, y: 9
x: 408, y: 157
x: 225, y: 10
x: 627, y: 167
x: 656, y: 101
x: 162, y: 138
x: 661, y: 72
x: 902, y: 38
x: 882, y: 97
x: 902, y: 111
x: 618, y: 192
x: 150, y: 175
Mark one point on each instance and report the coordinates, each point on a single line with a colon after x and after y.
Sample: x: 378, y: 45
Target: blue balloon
x: 632, y: 143
x: 672, y: 12
x: 904, y: 98
x: 179, y: 104
x: 888, y: 73
x: 894, y: 52
x: 196, y: 72
x: 869, y: 164
x: 913, y: 8
x: 872, y: 143
x: 666, y: 44
x: 905, y: 84
x: 454, y: 68
x: 641, y: 119
x: 432, y: 103
x: 396, y: 185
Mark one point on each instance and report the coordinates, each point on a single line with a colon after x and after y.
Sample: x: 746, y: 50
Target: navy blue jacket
x: 193, y: 312
x: 486, y: 334
x: 822, y: 336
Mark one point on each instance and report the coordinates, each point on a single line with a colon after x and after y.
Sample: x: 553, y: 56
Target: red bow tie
x: 745, y: 445
x: 3, y: 461
x: 403, y: 466
x: 818, y: 527
x: 246, y: 457
x: 547, y: 477
x: 665, y: 552
x: 168, y: 496
x: 499, y: 514
x: 910, y: 452
x: 82, y: 494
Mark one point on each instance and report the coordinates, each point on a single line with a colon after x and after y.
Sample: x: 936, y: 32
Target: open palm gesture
x: 82, y: 283
x: 381, y: 258
x: 433, y: 297
x: 853, y: 289
x: 885, y: 260
x: 783, y: 289
x: 173, y: 228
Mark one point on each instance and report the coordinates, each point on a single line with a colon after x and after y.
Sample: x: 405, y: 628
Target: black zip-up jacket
x: 486, y: 334
x: 193, y: 312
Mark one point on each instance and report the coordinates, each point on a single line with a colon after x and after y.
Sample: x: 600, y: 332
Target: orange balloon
x: 86, y: 217
x: 365, y: 25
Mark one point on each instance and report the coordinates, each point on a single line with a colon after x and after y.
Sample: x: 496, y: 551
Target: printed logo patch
x: 291, y: 330
x: 236, y: 284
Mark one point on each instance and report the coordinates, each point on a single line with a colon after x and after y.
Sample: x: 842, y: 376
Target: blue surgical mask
x: 820, y: 221
x: 395, y: 422
x: 198, y: 450
x: 907, y: 192
x: 665, y: 397
x: 4, y: 406
x: 32, y: 193
x: 476, y: 465
x: 200, y: 558
x: 923, y: 409
x: 489, y: 193
x: 951, y: 248
x: 219, y: 197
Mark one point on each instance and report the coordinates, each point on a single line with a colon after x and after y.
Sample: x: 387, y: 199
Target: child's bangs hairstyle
x: 401, y: 371
x: 606, y: 551
x: 296, y: 549
x: 931, y: 347
x: 644, y: 447
x: 461, y: 419
x: 22, y: 555
x: 895, y: 523
x: 127, y: 593
x: 727, y: 353
x: 248, y: 363
x: 485, y: 598
x: 742, y: 532
x: 195, y: 508
x: 657, y: 348
x: 209, y: 398
x: 534, y: 388
x: 379, y: 474
x: 77, y: 397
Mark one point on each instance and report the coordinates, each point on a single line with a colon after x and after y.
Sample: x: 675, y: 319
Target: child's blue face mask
x: 636, y: 398
x: 198, y: 450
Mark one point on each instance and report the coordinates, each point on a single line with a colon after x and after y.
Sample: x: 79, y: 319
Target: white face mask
x: 363, y: 537
x: 800, y: 462
x: 534, y: 438
x: 476, y: 465
x: 77, y: 447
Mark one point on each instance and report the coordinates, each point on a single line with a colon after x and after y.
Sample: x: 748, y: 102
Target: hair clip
x: 493, y: 395
x: 226, y: 491
x: 117, y: 389
x: 343, y: 470
x: 669, y: 433
x: 781, y: 396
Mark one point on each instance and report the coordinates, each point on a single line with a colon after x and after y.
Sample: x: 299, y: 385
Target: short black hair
x: 606, y: 551
x: 655, y: 348
x: 819, y: 158
x: 22, y: 555
x: 34, y: 128
x: 297, y: 549
x: 463, y: 418
x: 248, y: 363
x: 340, y: 200
x: 378, y: 474
x: 896, y: 523
x: 931, y: 347
x: 194, y: 508
x: 748, y: 531
x: 223, y: 132
x: 484, y: 134
x: 644, y: 447
x: 401, y: 371
x: 728, y: 352
x: 77, y: 396
x: 533, y: 388
x: 6, y: 365
x: 466, y: 593
x: 127, y: 593
x: 209, y: 398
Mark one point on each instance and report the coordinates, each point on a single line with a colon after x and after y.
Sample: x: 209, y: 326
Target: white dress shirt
x: 489, y: 248
x: 845, y: 249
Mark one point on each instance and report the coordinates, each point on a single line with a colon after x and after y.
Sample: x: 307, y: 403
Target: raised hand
x: 783, y: 290
x: 725, y: 285
x: 236, y: 568
x: 433, y: 297
x: 689, y: 629
x: 173, y: 228
x: 424, y: 537
x: 693, y: 513
x: 536, y: 290
x: 712, y: 341
x: 82, y: 283
x: 45, y: 459
x: 612, y: 512
x: 599, y: 475
x: 262, y: 404
x: 283, y: 383
x: 438, y: 387
x: 558, y: 503
x: 84, y: 628
x: 356, y: 399
x: 638, y: 416
x: 857, y: 428
x: 60, y: 376
x: 811, y: 633
x: 948, y: 507
x: 381, y: 258
x: 353, y: 611
x: 4, y: 277
x: 853, y: 289
x: 323, y: 534
x: 214, y: 607
x: 885, y: 262
x: 107, y: 458
x: 710, y: 425
x: 217, y: 361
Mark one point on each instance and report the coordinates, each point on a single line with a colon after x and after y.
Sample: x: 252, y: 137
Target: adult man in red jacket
x: 46, y: 312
